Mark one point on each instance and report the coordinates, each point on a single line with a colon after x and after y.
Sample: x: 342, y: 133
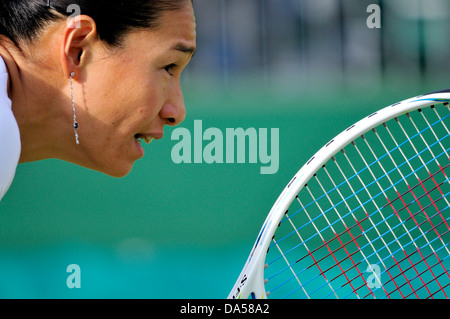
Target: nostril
x: 172, y: 120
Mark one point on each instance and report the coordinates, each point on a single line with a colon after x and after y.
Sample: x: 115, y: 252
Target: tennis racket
x: 366, y: 217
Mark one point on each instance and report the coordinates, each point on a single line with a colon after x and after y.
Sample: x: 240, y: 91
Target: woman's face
x: 125, y: 98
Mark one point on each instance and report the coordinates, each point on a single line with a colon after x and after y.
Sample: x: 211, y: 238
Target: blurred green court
x: 168, y: 230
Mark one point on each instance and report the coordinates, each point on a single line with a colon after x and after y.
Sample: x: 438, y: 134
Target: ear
x: 80, y: 36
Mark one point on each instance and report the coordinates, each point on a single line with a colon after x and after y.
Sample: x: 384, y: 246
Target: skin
x: 119, y: 93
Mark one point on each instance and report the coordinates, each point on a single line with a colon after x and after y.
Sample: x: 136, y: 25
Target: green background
x: 165, y: 230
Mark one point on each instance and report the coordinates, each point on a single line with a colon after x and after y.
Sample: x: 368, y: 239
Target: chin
x: 118, y: 174
x: 116, y: 171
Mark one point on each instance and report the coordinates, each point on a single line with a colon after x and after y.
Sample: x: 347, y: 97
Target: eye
x: 170, y: 68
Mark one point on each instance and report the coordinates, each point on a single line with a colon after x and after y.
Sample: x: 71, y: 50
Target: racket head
x: 251, y: 282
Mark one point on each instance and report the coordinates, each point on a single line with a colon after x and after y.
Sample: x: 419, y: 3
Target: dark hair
x: 23, y: 19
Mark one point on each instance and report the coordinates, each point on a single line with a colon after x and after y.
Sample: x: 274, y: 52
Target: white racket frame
x: 251, y: 280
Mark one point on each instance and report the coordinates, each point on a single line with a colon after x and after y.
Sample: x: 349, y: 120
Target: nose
x: 174, y: 111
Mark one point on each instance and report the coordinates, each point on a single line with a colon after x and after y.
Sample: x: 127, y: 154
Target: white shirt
x: 9, y: 135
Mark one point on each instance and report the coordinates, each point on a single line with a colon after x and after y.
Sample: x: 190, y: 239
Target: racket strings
x: 410, y: 267
x: 400, y: 245
x: 432, y: 202
x: 401, y: 198
x: 347, y: 180
x: 360, y: 204
x: 422, y: 162
x: 323, y: 272
x: 385, y: 208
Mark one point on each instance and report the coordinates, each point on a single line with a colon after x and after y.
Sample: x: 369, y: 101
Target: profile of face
x: 127, y: 95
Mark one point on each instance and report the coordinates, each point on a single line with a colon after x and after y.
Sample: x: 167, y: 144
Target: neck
x: 37, y: 104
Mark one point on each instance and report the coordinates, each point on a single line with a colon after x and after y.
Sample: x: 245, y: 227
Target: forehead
x: 176, y: 29
x: 177, y: 26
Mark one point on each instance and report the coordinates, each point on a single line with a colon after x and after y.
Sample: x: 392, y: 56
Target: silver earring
x: 75, y: 123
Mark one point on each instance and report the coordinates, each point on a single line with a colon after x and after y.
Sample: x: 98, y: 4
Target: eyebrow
x: 182, y: 48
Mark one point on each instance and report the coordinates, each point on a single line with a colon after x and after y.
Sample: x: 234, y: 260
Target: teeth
x: 148, y: 139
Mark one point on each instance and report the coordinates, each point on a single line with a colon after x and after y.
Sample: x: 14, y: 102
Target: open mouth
x: 142, y: 137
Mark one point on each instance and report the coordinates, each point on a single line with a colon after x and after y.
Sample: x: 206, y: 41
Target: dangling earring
x: 75, y: 123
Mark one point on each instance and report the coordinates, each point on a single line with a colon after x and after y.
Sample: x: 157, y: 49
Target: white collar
x: 3, y: 78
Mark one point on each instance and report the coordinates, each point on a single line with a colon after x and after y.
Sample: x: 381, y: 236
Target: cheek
x: 151, y: 100
x: 120, y: 104
x: 133, y: 113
